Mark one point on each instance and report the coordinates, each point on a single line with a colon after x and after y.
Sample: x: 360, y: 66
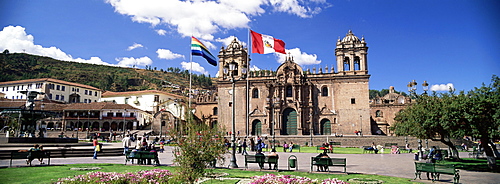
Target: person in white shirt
x: 126, y: 143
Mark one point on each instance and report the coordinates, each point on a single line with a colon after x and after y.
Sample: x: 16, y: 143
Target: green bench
x: 436, y: 170
x: 261, y: 160
x: 367, y: 150
x: 24, y: 154
x: 327, y: 162
x: 142, y: 157
x: 296, y: 146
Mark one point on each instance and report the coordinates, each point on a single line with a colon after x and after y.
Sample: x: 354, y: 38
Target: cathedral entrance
x: 256, y: 127
x: 289, y: 122
x: 326, y: 127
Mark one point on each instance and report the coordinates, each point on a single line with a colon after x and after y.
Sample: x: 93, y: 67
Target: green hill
x: 19, y: 66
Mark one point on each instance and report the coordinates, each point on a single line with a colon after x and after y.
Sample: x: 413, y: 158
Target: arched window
x: 347, y: 64
x: 215, y: 111
x: 255, y: 93
x: 289, y: 91
x: 324, y: 91
x: 357, y: 65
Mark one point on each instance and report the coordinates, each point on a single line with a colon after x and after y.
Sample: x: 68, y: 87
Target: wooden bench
x: 32, y: 155
x: 261, y: 159
x: 435, y: 170
x: 296, y: 146
x: 322, y: 148
x: 142, y: 157
x: 367, y: 150
x: 327, y: 162
x: 389, y: 145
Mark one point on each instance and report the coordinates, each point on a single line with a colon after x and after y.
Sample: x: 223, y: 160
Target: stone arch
x: 289, y: 122
x: 325, y: 127
x: 256, y: 127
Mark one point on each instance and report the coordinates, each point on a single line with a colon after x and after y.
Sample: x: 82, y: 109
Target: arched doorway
x: 289, y: 122
x: 114, y: 126
x: 326, y: 127
x: 256, y: 127
x: 95, y: 126
x: 105, y: 125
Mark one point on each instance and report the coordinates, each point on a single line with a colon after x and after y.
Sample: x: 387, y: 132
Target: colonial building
x: 383, y: 110
x: 54, y: 90
x: 291, y: 101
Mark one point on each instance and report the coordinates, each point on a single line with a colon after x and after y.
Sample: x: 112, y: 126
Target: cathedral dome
x: 350, y: 37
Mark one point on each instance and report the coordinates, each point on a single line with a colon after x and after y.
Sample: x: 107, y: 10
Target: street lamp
x: 272, y: 103
x: 230, y: 70
x: 412, y: 88
x: 124, y: 110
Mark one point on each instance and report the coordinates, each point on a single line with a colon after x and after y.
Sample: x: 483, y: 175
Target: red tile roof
x: 49, y: 80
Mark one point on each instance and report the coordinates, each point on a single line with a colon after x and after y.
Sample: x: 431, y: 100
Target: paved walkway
x: 397, y: 165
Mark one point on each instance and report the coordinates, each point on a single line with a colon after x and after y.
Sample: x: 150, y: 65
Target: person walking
x: 126, y: 143
x: 244, y: 147
x: 96, y: 147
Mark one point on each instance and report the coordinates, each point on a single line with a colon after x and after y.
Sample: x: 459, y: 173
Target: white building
x: 54, y: 89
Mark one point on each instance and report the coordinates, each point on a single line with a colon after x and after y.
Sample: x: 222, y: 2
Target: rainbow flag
x: 198, y: 49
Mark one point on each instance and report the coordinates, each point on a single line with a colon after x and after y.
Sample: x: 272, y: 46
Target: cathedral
x: 291, y: 101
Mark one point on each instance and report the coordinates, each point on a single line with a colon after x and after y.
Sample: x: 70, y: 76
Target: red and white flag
x: 264, y: 44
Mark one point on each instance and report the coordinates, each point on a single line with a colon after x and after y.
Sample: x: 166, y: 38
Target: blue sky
x: 448, y: 42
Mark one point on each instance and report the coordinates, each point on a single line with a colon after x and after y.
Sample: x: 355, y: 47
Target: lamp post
x: 412, y: 89
x: 272, y: 103
x: 311, y: 131
x: 124, y: 110
x: 361, y: 123
x: 230, y: 69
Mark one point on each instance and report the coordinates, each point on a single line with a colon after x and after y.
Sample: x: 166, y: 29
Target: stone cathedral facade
x: 291, y: 101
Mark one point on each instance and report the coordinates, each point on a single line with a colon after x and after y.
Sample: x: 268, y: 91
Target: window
x: 57, y: 97
x: 353, y: 101
x: 90, y: 93
x: 63, y: 88
x: 324, y: 91
x: 289, y: 91
x: 58, y: 87
x: 357, y: 65
x: 95, y: 94
x: 347, y: 64
x: 50, y: 96
x: 109, y: 114
x: 62, y: 97
x: 255, y: 93
x: 84, y: 100
x: 132, y: 114
x: 86, y: 92
x: 215, y: 111
x: 378, y: 113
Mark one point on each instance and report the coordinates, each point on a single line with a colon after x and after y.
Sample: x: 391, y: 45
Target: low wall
x: 41, y: 140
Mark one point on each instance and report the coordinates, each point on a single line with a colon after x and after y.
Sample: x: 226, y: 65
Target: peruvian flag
x: 264, y: 44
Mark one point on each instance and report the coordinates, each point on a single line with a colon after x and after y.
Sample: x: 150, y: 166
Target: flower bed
x: 148, y: 176
x: 290, y: 179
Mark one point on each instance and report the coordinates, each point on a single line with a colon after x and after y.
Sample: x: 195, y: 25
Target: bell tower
x: 234, y: 54
x: 351, y: 55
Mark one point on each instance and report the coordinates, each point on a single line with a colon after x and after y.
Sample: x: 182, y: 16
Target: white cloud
x: 203, y: 18
x: 134, y: 46
x: 16, y: 40
x: 196, y: 67
x: 167, y: 54
x: 161, y: 32
x: 299, y: 57
x: 254, y: 68
x: 131, y: 62
x: 442, y: 87
x: 226, y: 41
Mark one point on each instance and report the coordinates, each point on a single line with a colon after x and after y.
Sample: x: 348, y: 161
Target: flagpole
x: 190, y: 82
x: 248, y: 87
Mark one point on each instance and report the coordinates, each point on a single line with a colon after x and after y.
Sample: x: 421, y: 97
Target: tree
x: 200, y: 146
x: 443, y: 116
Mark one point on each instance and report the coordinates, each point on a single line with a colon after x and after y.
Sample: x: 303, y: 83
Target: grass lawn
x: 50, y: 174
x: 337, y: 150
